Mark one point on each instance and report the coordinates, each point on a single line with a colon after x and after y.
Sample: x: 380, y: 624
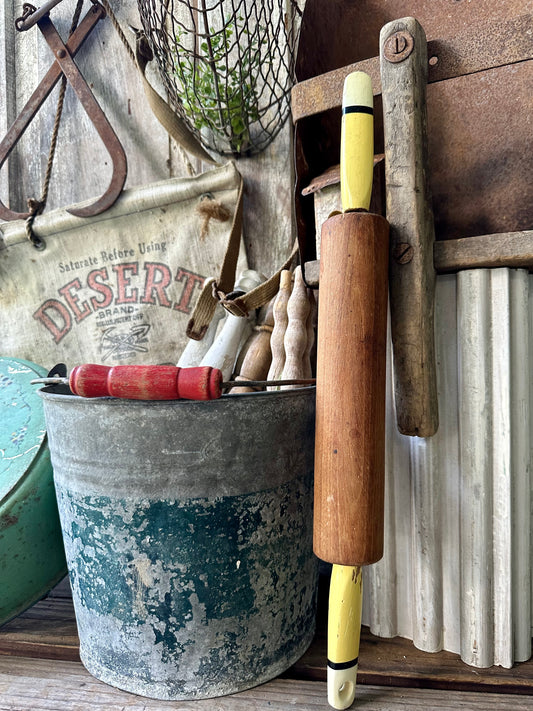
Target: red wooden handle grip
x: 89, y: 380
x: 350, y: 389
x: 146, y: 382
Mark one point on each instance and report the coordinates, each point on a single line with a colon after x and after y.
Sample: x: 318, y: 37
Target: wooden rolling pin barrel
x: 351, y: 362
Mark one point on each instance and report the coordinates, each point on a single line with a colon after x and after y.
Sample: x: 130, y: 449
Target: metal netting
x: 227, y: 65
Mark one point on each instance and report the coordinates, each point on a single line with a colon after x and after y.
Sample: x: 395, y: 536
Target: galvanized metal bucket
x: 188, y: 534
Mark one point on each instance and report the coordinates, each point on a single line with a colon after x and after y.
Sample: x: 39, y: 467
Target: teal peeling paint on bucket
x: 188, y: 533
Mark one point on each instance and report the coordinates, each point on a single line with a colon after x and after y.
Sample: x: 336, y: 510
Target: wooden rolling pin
x: 350, y: 424
x: 350, y: 397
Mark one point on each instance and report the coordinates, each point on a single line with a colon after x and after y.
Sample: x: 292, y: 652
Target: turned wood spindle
x: 277, y: 346
x: 310, y: 328
x: 255, y: 358
x: 295, y: 341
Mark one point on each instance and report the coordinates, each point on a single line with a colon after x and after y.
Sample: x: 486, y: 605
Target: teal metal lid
x: 32, y: 558
x: 22, y: 424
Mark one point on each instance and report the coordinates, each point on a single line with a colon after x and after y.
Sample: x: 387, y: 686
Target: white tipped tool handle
x: 341, y: 687
x: 235, y: 330
x: 194, y: 351
x: 357, y: 142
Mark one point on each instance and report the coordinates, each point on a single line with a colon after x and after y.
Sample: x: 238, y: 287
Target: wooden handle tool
x: 254, y: 360
x: 277, y: 345
x: 234, y: 331
x: 350, y: 398
x: 295, y: 338
x: 409, y: 212
x: 152, y: 382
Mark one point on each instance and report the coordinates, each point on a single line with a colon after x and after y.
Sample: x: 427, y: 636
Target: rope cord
x: 119, y: 30
x: 35, y: 206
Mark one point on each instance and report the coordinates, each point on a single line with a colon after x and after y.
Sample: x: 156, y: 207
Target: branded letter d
x: 55, y: 317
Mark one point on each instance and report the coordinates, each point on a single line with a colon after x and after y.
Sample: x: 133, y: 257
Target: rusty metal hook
x: 64, y: 64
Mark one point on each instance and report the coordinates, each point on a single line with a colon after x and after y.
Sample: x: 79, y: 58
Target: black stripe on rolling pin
x: 343, y: 665
x: 358, y: 110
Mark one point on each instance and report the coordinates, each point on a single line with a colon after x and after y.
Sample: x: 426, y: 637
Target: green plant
x: 220, y: 94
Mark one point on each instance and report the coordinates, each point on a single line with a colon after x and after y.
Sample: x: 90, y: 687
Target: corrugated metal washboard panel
x: 456, y: 574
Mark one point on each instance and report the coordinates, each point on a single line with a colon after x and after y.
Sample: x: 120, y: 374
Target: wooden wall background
x: 81, y: 166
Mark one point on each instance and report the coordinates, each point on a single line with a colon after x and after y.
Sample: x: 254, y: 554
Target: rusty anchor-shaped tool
x: 64, y: 54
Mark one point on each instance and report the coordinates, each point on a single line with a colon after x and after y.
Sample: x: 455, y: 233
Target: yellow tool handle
x: 344, y: 631
x: 357, y: 142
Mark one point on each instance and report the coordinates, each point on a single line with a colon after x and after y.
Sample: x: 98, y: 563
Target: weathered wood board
x: 47, y: 631
x: 42, y: 685
x: 409, y: 212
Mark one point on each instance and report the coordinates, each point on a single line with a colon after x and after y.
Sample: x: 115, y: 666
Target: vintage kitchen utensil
x: 255, y: 357
x: 235, y: 329
x: 350, y: 405
x: 64, y: 65
x: 296, y: 335
x: 32, y: 559
x: 280, y: 326
x: 152, y: 382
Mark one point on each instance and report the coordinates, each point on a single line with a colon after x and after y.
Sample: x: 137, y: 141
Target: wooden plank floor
x: 40, y: 671
x: 52, y: 685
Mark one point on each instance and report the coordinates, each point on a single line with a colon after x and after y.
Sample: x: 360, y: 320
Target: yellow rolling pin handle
x: 344, y: 632
x: 357, y: 142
